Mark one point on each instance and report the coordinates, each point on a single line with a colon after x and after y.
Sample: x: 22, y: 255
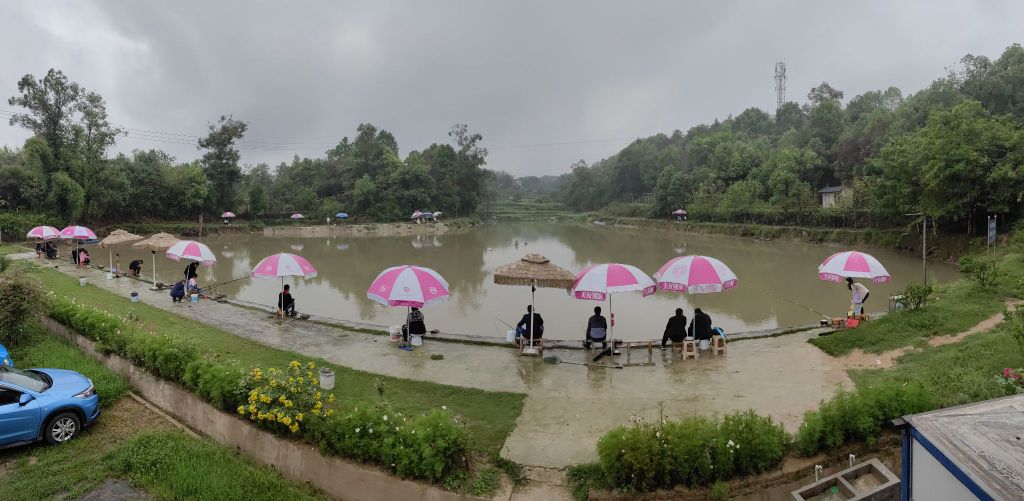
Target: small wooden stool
x: 689, y: 347
x: 717, y: 345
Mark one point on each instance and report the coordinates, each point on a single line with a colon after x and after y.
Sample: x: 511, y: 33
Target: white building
x: 830, y: 195
x: 973, y: 451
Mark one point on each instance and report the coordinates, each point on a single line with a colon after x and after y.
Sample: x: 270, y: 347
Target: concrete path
x: 568, y: 407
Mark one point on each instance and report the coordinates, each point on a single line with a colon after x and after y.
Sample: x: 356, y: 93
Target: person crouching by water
x: 523, y: 327
x: 285, y: 301
x: 675, y: 330
x: 700, y: 326
x: 414, y: 324
x: 597, y: 330
x: 135, y: 267
x: 178, y: 291
x: 858, y: 295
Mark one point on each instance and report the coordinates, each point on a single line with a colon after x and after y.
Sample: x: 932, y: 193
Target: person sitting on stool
x: 414, y: 324
x: 285, y: 301
x: 178, y: 291
x: 597, y: 330
x: 675, y: 330
x: 523, y: 327
x: 135, y: 267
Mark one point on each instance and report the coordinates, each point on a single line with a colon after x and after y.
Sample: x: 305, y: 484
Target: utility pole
x: 924, y: 243
x: 780, y: 85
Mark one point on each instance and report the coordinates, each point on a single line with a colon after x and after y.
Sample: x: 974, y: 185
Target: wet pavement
x: 568, y: 407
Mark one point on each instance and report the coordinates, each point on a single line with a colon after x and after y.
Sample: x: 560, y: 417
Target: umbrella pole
x: 154, y: 269
x: 533, y: 294
x: 110, y: 257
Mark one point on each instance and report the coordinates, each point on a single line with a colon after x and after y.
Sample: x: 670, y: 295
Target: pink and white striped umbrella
x: 77, y: 233
x: 297, y: 216
x: 228, y: 214
x: 695, y: 275
x: 193, y: 251
x: 43, y: 232
x: 408, y: 285
x: 284, y: 265
x: 853, y: 264
x: 416, y: 215
x: 595, y: 282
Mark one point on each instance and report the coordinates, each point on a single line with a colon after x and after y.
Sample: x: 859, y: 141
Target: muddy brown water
x: 772, y: 276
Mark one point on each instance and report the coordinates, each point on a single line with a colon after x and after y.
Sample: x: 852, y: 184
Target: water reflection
x: 770, y: 273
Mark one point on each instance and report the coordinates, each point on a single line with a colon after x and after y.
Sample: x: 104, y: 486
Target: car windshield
x: 34, y: 381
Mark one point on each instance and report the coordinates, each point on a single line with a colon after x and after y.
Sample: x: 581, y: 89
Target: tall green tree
x: 220, y: 162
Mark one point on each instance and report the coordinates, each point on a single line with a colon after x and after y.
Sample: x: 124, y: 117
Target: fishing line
x: 808, y: 308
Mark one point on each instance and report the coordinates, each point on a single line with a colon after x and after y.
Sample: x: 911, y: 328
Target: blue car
x: 5, y: 357
x: 48, y: 404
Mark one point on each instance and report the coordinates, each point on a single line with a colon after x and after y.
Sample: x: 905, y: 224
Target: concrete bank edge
x: 299, y: 462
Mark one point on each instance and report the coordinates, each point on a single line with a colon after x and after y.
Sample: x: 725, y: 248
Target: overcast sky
x: 545, y: 82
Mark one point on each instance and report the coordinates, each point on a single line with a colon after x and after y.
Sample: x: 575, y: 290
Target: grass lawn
x: 954, y: 308
x: 489, y: 416
x: 120, y: 444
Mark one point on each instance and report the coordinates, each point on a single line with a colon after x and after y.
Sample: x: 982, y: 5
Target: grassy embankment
x: 128, y: 441
x: 489, y: 416
x: 528, y: 210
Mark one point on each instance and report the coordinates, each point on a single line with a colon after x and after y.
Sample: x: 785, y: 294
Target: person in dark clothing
x: 414, y: 324
x: 523, y: 327
x: 190, y: 271
x: 597, y: 330
x: 39, y: 250
x: 700, y: 326
x: 74, y: 256
x: 675, y: 330
x: 135, y: 267
x: 178, y: 291
x: 50, y: 251
x: 286, y: 302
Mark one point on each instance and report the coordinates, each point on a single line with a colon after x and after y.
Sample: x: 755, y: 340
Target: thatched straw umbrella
x: 534, y: 270
x: 118, y: 237
x: 159, y: 242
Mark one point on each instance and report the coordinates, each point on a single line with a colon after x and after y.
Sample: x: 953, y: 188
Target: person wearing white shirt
x: 858, y: 295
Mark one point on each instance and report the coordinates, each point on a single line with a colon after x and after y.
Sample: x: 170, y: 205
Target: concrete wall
x: 300, y: 462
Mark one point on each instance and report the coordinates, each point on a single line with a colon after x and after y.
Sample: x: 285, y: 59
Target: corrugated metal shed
x: 984, y: 441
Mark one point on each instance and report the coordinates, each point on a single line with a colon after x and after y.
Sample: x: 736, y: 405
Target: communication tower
x: 780, y: 85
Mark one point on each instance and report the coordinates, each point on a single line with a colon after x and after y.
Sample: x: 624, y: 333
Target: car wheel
x: 62, y: 428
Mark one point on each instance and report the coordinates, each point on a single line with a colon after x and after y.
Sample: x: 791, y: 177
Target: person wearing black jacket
x: 523, y: 327
x: 675, y: 330
x: 286, y: 302
x: 597, y: 329
x: 700, y: 326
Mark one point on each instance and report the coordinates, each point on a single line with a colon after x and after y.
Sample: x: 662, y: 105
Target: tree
x: 51, y: 103
x: 220, y: 162
x: 257, y: 200
x: 742, y: 195
x: 999, y: 85
x: 825, y: 93
x: 66, y: 196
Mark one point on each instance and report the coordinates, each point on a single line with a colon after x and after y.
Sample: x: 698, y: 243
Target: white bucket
x: 110, y: 276
x: 395, y: 333
x: 510, y: 336
x: 416, y: 339
x: 82, y: 281
x: 704, y: 344
x: 195, y: 298
x: 326, y: 379
x: 134, y: 297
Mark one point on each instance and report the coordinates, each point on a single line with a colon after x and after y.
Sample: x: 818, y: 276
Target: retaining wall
x: 300, y: 462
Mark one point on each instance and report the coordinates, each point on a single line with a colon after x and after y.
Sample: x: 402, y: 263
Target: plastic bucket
x: 704, y: 344
x: 110, y: 276
x: 134, y: 297
x: 326, y: 379
x: 194, y: 298
x: 416, y: 339
x: 510, y: 336
x: 82, y: 281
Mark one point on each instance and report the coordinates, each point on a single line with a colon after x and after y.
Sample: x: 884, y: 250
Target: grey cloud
x: 304, y: 74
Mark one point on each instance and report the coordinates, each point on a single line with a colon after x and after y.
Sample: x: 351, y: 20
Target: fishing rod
x: 808, y: 308
x: 212, y: 286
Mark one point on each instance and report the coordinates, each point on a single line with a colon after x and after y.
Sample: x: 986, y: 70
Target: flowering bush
x: 284, y: 398
x: 1012, y: 380
x: 693, y: 450
x: 428, y: 446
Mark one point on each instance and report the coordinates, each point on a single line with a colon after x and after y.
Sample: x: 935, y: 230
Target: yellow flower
x: 299, y: 416
x: 311, y: 365
x: 257, y: 377
x: 294, y: 364
x: 291, y: 380
x: 317, y: 396
x: 288, y: 403
x: 271, y: 417
x: 294, y: 427
x: 330, y: 398
x: 241, y: 409
x: 309, y: 374
x: 280, y: 416
x: 286, y: 420
x: 273, y: 383
x: 252, y: 408
x: 330, y: 411
x: 302, y: 381
x: 260, y: 416
x: 282, y: 399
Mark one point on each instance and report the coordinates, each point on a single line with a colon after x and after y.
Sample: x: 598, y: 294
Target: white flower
x: 444, y: 407
x: 371, y: 431
x: 357, y: 430
x: 385, y: 417
x: 737, y: 446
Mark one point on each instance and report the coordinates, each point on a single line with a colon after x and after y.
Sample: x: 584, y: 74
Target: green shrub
x: 981, y: 270
x: 19, y: 223
x: 215, y: 382
x: 583, y: 477
x: 1013, y: 323
x: 428, y: 446
x: 21, y: 299
x: 719, y: 491
x: 914, y: 295
x: 859, y: 415
x: 692, y: 451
